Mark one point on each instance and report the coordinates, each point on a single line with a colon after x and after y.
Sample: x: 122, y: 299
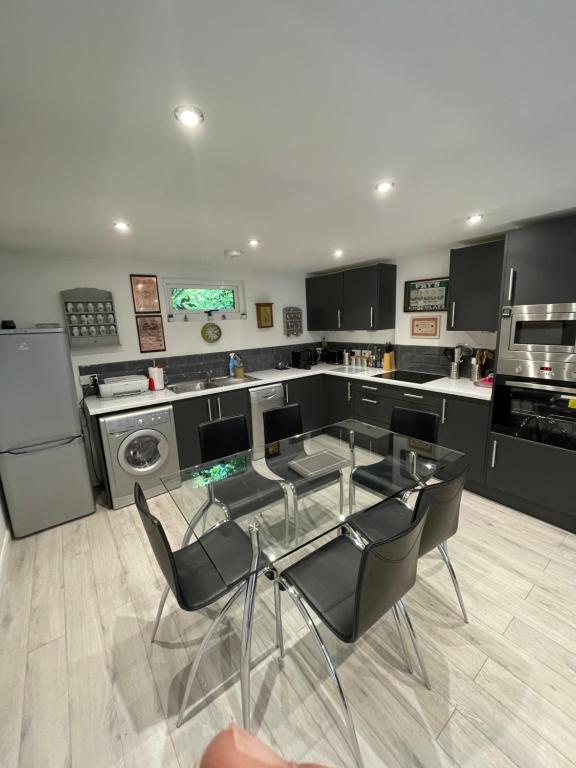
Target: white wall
x: 30, y: 286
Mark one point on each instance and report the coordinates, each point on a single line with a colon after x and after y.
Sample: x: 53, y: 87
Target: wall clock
x: 211, y: 332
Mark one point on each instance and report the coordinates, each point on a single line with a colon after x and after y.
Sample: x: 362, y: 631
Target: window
x: 206, y: 296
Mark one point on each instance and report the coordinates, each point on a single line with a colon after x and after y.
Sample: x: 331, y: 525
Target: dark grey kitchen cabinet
x: 308, y: 392
x: 475, y: 286
x: 324, y: 302
x: 188, y: 414
x: 231, y: 403
x: 539, y: 475
x: 337, y: 395
x: 374, y: 402
x: 369, y: 298
x: 540, y: 265
x: 464, y: 427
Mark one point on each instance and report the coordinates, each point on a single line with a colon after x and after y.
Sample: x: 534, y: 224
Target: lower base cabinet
x: 308, y: 392
x: 464, y: 427
x: 337, y: 394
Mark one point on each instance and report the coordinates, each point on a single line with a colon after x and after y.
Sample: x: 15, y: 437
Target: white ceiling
x: 468, y: 105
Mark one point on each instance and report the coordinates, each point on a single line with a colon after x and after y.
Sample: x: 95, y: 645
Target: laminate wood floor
x: 81, y: 685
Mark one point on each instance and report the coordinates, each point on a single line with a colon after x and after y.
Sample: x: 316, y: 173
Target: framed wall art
x: 426, y: 295
x: 145, y: 293
x: 425, y: 327
x: 264, y: 317
x: 150, y: 333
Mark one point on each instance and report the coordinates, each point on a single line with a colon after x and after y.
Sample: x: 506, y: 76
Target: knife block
x: 389, y: 361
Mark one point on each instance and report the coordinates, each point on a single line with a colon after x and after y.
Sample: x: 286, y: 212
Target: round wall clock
x: 211, y: 332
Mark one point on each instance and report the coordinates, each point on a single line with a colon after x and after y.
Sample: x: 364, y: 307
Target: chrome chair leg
x: 278, y: 612
x: 351, y: 493
x: 402, y: 639
x: 341, y: 494
x: 296, y: 515
x: 159, y: 612
x: 412, y: 634
x: 196, y: 663
x: 286, y: 514
x: 444, y: 552
x: 247, y: 623
x: 297, y: 600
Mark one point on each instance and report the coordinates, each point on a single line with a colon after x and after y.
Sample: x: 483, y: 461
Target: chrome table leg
x: 341, y: 481
x: 278, y: 612
x: 402, y: 639
x: 444, y: 552
x: 351, y: 487
x: 414, y: 640
x: 247, y: 624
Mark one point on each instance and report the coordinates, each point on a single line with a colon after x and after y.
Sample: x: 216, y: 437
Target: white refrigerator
x: 43, y: 467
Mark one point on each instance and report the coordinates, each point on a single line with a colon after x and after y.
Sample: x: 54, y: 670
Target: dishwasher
x: 262, y: 399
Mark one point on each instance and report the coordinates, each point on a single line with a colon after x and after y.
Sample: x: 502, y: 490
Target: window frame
x: 236, y: 285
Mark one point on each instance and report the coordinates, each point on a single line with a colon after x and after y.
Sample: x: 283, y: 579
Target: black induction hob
x: 411, y: 377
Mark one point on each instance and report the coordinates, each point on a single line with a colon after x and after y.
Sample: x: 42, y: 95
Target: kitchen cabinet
x: 464, y: 427
x: 337, y: 393
x: 324, y: 302
x: 308, y: 392
x: 369, y: 298
x: 540, y: 265
x: 355, y: 299
x: 374, y: 403
x: 541, y: 475
x: 475, y: 286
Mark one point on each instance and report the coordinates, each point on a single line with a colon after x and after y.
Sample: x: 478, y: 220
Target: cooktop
x: 412, y: 377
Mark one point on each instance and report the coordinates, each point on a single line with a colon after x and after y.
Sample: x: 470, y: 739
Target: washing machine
x: 138, y: 446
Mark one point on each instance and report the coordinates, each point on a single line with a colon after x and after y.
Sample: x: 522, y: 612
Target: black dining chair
x: 386, y: 478
x: 350, y: 587
x: 441, y: 502
x: 285, y: 443
x: 192, y: 576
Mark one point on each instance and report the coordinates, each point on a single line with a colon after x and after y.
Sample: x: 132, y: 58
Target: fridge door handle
x: 37, y: 447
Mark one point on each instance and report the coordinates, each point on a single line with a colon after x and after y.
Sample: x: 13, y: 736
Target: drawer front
x: 372, y: 408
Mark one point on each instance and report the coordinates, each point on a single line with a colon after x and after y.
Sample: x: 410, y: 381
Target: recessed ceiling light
x: 475, y: 218
x: 191, y: 117
x: 254, y: 242
x: 233, y: 253
x: 338, y: 253
x: 384, y: 186
x: 121, y: 226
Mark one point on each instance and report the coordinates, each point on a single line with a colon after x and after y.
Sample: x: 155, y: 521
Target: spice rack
x: 292, y: 321
x: 90, y: 317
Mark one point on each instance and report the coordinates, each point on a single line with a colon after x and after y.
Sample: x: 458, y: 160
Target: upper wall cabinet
x: 362, y: 299
x: 475, y: 284
x: 541, y: 263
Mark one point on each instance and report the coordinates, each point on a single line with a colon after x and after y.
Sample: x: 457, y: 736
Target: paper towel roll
x: 156, y: 378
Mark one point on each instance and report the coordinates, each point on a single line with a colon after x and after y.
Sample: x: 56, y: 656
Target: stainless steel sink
x: 230, y: 381
x: 199, y: 385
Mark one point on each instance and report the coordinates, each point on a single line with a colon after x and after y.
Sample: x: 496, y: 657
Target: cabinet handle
x: 443, y: 410
x: 416, y: 397
x: 453, y: 314
x: 349, y: 391
x: 511, y: 284
x: 366, y: 400
x: 338, y: 319
x: 365, y: 386
x: 286, y: 394
x: 219, y: 407
x: 494, y: 448
x: 371, y: 317
x: 209, y: 401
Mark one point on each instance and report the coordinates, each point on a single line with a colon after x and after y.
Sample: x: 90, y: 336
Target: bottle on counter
x: 346, y: 358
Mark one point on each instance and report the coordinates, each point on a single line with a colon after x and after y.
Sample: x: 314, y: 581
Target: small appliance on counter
x: 334, y: 356
x: 121, y: 386
x: 303, y: 358
x: 456, y: 356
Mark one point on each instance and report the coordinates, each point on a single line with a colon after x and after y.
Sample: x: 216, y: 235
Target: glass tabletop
x: 297, y: 490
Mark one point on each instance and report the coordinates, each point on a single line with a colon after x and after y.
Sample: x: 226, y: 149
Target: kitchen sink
x: 199, y: 385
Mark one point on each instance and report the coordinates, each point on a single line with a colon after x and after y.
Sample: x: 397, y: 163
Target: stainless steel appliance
x: 138, y: 446
x: 262, y: 399
x: 43, y: 466
x: 538, y: 341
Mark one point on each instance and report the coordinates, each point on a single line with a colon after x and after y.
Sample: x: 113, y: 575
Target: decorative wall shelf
x: 90, y: 317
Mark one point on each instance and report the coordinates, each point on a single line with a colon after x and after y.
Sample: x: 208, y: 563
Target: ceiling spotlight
x: 233, y: 253
x: 254, y: 242
x: 384, y: 186
x: 475, y: 218
x: 122, y: 226
x: 191, y: 117
x: 338, y: 253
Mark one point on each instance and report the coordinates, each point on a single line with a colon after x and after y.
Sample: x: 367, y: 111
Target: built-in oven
x: 537, y: 411
x: 538, y: 341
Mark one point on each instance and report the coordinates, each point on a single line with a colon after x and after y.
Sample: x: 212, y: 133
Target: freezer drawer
x: 46, y: 487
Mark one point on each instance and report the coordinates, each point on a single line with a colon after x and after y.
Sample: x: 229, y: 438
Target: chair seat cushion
x: 386, y: 478
x: 383, y: 520
x: 248, y: 492
x: 303, y: 485
x: 327, y: 580
x: 210, y: 567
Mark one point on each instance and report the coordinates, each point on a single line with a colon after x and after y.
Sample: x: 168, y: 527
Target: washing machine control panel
x: 138, y: 420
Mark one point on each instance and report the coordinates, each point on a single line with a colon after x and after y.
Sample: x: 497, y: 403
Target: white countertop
x: 97, y: 406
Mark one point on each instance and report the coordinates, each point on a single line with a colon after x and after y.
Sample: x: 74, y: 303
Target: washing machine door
x: 143, y: 452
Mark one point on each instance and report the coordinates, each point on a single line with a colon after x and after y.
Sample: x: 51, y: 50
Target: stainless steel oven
x: 538, y: 341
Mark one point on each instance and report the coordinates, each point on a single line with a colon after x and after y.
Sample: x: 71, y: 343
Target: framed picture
x: 264, y: 317
x: 426, y: 295
x: 425, y: 327
x: 150, y: 333
x: 145, y: 293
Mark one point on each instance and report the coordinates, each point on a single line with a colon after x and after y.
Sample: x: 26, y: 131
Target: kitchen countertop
x: 97, y: 406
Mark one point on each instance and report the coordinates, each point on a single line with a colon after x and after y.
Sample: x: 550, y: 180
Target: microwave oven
x: 538, y: 341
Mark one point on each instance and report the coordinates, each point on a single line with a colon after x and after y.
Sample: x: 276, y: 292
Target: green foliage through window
x: 202, y: 299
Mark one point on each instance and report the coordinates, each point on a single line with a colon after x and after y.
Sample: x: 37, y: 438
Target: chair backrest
x: 387, y: 572
x: 282, y: 422
x: 223, y: 437
x: 418, y: 424
x: 158, y: 542
x: 441, y: 502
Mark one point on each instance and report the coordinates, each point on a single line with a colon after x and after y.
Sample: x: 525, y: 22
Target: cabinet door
x: 540, y: 263
x: 188, y: 414
x: 324, y: 302
x: 232, y: 403
x: 309, y: 394
x: 337, y: 396
x: 464, y: 427
x: 360, y: 298
x: 475, y: 283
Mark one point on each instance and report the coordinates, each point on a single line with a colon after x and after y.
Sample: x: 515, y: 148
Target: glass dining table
x: 261, y: 489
